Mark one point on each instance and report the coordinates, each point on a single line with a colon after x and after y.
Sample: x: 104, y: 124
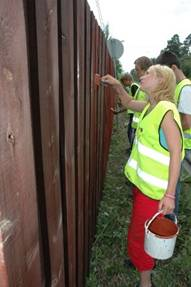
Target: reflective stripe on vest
x: 148, y: 165
x: 153, y: 154
x: 150, y: 179
x: 187, y: 133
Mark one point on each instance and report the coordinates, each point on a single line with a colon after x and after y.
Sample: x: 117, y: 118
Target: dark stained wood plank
x: 102, y: 152
x: 79, y: 74
x: 67, y: 137
x: 47, y: 49
x: 100, y: 121
x: 20, y: 251
x: 92, y: 135
x: 95, y: 123
x: 87, y: 135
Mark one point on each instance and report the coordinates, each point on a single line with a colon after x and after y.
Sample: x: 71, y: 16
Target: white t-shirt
x: 184, y: 105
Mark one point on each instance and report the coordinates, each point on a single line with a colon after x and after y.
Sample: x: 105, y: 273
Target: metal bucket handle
x: 147, y: 224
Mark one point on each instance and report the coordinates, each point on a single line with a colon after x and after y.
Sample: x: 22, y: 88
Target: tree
x: 186, y: 66
x: 174, y: 45
x: 183, y: 52
x: 186, y: 51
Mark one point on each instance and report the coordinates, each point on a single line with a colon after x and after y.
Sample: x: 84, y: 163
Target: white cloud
x: 145, y: 26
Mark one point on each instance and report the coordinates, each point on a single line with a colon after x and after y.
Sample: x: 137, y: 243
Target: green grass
x: 109, y: 248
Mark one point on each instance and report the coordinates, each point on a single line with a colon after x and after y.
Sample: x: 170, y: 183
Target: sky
x: 144, y: 26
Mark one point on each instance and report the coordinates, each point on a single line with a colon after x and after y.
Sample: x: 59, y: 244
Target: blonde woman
x: 155, y: 160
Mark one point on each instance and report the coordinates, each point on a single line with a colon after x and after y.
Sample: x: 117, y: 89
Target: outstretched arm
x: 126, y: 100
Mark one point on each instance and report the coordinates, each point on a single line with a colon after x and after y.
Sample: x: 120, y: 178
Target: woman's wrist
x: 118, y: 87
x: 169, y: 195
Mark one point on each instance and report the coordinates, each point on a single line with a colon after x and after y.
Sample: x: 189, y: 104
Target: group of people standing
x: 161, y: 118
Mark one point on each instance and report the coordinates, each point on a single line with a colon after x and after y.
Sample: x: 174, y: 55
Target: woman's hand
x: 109, y: 80
x: 115, y: 112
x: 167, y: 205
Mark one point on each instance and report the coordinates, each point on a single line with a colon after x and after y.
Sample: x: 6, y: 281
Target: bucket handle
x: 147, y: 224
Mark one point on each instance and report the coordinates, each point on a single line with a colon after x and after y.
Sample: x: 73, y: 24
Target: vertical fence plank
x: 97, y: 127
x: 92, y: 135
x: 19, y: 245
x: 87, y: 134
x: 79, y: 70
x: 67, y: 139
x: 100, y: 120
x: 47, y: 47
x: 103, y: 72
x: 95, y: 120
x: 99, y: 124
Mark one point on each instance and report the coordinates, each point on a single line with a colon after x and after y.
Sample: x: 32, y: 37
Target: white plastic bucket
x: 160, y: 246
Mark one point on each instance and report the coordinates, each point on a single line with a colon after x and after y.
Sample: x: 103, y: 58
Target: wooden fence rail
x: 54, y: 140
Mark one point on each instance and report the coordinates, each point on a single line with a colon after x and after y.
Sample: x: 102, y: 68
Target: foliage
x: 186, y: 65
x: 174, y: 45
x: 118, y: 69
x: 183, y: 52
x: 186, y: 51
x: 109, y: 249
x: 180, y: 49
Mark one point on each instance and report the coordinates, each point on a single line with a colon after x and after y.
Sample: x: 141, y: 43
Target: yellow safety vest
x: 133, y: 84
x: 148, y: 165
x: 187, y: 133
x: 139, y: 96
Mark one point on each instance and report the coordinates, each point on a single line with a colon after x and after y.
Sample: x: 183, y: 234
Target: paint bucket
x: 160, y: 236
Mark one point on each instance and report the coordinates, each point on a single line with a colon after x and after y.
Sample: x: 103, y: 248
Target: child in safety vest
x: 141, y: 65
x: 131, y: 87
x: 154, y: 164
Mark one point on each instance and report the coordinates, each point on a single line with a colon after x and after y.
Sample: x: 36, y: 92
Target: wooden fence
x: 54, y: 140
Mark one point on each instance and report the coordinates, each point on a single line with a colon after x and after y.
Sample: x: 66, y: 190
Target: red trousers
x: 143, y: 208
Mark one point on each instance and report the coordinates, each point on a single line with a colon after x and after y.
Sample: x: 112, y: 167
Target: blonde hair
x: 166, y: 88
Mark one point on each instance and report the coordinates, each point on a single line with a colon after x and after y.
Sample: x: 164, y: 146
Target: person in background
x: 131, y: 87
x: 141, y: 66
x: 183, y: 102
x: 155, y: 160
x: 129, y: 84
